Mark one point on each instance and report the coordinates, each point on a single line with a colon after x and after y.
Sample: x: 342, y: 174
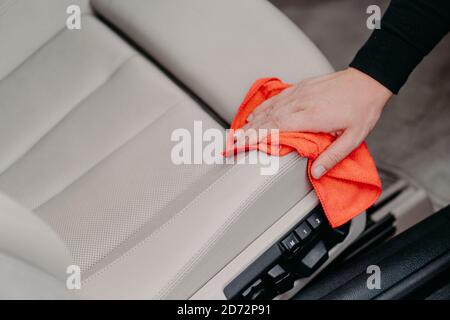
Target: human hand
x: 346, y: 104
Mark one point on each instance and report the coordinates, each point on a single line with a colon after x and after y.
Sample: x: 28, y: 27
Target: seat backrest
x: 35, y: 22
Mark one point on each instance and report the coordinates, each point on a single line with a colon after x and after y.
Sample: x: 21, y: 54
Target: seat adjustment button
x: 340, y: 233
x: 276, y: 272
x: 315, y: 220
x: 281, y: 279
x: 263, y: 294
x: 303, y: 231
x: 250, y: 291
x: 290, y: 242
x: 314, y: 258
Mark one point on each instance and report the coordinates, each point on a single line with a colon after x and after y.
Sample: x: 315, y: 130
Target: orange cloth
x: 346, y: 190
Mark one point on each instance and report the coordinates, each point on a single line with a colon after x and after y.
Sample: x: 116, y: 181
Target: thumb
x: 335, y: 153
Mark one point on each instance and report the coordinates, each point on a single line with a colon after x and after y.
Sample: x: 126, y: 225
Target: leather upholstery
x: 21, y: 280
x: 26, y: 25
x: 45, y: 251
x: 85, y: 138
x: 218, y: 48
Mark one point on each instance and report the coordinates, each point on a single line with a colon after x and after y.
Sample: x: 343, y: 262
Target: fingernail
x: 250, y: 117
x: 318, y: 171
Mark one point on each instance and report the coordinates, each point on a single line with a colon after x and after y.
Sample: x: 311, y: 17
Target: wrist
x: 369, y: 85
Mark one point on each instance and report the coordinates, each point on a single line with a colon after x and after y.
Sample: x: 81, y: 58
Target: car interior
x: 86, y: 178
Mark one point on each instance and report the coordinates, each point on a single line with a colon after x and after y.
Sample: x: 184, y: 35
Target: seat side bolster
x: 205, y: 236
x: 26, y: 237
x: 217, y: 48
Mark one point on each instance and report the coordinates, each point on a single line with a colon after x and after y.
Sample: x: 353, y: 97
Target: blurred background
x: 413, y: 135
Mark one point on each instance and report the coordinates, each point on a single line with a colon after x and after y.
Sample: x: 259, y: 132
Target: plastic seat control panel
x: 296, y: 255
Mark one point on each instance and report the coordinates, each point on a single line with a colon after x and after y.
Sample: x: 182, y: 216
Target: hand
x: 346, y: 104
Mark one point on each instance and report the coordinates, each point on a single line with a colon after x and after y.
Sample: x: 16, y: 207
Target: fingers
x: 254, y: 132
x: 296, y: 121
x: 258, y: 130
x: 267, y: 105
x: 264, y: 107
x: 303, y: 121
x: 284, y: 106
x: 335, y: 153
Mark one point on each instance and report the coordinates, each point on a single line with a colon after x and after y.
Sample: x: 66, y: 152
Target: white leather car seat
x: 85, y: 123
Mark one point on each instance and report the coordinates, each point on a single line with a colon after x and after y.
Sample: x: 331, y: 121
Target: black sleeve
x: 410, y: 29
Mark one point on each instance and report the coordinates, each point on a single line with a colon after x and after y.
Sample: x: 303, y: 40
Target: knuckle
x: 273, y: 117
x: 268, y: 111
x: 276, y: 106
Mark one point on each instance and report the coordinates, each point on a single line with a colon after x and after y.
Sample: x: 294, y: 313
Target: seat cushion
x: 107, y: 130
x: 87, y: 93
x: 86, y: 131
x: 86, y: 138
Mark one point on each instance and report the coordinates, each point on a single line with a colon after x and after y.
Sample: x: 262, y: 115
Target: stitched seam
x: 110, y: 154
x: 79, y: 103
x: 125, y: 243
x: 45, y: 43
x: 56, y: 35
x: 161, y: 228
x: 200, y: 253
x: 218, y: 234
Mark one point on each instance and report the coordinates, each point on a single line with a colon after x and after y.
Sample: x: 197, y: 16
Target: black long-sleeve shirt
x: 410, y: 29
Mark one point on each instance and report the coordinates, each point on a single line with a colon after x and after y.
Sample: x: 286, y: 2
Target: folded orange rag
x: 344, y: 191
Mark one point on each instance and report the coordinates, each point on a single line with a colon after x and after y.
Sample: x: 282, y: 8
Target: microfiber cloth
x: 345, y: 191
